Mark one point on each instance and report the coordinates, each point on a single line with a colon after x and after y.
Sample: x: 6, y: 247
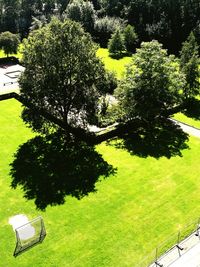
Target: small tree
x: 9, y: 42
x: 116, y: 44
x: 189, y: 63
x: 151, y: 85
x: 130, y: 38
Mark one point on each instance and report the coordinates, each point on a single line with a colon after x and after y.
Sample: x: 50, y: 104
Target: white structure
x: 9, y: 75
x: 28, y: 233
x: 21, y: 224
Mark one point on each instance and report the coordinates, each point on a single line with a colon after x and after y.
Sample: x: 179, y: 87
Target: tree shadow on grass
x: 162, y: 139
x: 193, y: 108
x: 50, y: 168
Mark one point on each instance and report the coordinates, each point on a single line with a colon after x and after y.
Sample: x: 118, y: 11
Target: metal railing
x: 174, y: 247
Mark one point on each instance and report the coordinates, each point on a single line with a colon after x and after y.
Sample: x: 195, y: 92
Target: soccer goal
x: 29, y: 235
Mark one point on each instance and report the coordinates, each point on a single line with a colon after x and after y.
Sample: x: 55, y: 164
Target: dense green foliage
x: 116, y: 44
x: 62, y: 75
x: 105, y: 27
x: 37, y: 23
x: 151, y: 85
x: 130, y: 38
x: 189, y: 63
x: 168, y: 21
x: 83, y: 12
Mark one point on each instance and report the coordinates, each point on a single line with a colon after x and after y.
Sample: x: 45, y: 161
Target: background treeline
x: 168, y: 21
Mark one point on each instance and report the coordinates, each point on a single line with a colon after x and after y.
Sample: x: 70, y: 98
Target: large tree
x: 151, y: 85
x: 63, y: 77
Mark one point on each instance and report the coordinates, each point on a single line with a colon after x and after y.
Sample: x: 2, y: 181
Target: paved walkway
x: 188, y: 129
x: 188, y: 256
x: 8, y: 78
x: 189, y: 259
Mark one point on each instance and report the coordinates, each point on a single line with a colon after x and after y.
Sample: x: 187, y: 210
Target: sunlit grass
x: 116, y: 65
x: 18, y: 55
x: 131, y: 212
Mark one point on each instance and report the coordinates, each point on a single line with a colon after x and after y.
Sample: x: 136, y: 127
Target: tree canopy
x: 9, y: 42
x: 62, y: 76
x: 151, y: 85
x: 82, y: 12
x: 170, y: 22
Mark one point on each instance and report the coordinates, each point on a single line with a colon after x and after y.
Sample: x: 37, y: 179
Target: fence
x: 174, y: 247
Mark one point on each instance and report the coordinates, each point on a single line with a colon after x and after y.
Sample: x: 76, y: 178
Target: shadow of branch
x: 50, y: 168
x: 162, y: 138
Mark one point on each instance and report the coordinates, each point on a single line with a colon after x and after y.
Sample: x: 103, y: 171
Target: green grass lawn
x: 131, y: 212
x: 117, y: 65
x: 183, y: 118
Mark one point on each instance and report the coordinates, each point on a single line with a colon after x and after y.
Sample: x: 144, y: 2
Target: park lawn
x: 116, y: 65
x: 18, y: 55
x: 183, y: 118
x: 129, y: 215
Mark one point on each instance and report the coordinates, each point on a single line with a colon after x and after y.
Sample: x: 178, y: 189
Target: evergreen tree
x: 189, y: 63
x: 130, y: 38
x: 116, y: 44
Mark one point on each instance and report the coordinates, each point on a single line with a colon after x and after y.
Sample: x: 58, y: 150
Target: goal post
x: 29, y: 235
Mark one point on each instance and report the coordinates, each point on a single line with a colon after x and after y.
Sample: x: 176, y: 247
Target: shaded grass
x: 133, y: 211
x: 116, y: 65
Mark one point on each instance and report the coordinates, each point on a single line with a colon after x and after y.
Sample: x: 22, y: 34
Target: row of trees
x: 170, y: 22
x: 64, y: 82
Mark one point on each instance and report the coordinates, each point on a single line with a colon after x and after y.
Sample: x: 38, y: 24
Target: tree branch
x: 90, y: 138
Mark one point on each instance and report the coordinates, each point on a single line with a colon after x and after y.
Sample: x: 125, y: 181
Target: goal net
x: 29, y: 235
